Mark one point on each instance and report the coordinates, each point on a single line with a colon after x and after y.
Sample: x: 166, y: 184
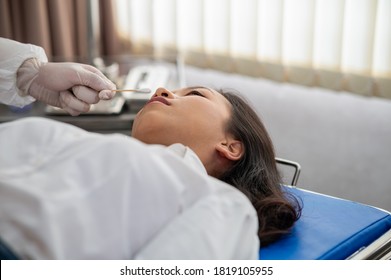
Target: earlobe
x: 232, y: 150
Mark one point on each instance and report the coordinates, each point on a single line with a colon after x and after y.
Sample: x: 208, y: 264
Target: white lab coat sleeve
x: 12, y: 56
x: 221, y: 226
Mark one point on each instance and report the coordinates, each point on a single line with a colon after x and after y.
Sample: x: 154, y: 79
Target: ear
x: 232, y: 149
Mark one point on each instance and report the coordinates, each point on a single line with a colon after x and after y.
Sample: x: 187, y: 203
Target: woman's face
x: 194, y: 116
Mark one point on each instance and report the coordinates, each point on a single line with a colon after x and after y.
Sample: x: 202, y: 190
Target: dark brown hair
x: 256, y: 173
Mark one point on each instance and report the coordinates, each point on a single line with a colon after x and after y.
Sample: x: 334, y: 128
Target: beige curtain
x: 60, y: 27
x: 343, y: 45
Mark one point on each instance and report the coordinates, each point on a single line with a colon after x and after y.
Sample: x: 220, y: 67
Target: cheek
x: 214, y: 115
x: 208, y: 121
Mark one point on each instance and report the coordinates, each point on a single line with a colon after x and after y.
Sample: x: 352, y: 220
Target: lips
x: 159, y: 99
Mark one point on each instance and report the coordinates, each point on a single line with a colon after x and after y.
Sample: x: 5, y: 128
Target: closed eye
x: 195, y: 92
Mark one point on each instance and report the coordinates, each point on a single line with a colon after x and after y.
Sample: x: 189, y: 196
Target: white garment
x: 70, y: 194
x: 12, y: 56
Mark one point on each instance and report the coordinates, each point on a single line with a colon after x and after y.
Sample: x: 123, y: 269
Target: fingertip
x: 111, y: 85
x: 106, y: 94
x: 76, y: 112
x: 72, y: 112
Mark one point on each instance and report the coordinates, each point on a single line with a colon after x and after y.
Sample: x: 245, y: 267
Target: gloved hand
x: 70, y: 86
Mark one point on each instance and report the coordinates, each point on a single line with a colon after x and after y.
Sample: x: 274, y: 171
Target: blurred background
x: 336, y: 44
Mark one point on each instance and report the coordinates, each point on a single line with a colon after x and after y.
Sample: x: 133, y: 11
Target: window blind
x: 337, y: 44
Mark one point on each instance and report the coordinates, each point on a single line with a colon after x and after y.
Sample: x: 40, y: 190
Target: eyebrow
x: 195, y: 87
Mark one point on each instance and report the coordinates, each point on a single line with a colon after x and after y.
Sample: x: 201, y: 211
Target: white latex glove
x: 70, y: 86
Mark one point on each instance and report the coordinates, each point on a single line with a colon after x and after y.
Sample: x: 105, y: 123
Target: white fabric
x: 69, y: 194
x: 12, y: 56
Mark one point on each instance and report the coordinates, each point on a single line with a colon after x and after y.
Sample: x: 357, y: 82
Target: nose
x: 163, y: 92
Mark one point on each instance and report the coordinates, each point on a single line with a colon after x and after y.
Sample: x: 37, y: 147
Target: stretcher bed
x: 333, y: 229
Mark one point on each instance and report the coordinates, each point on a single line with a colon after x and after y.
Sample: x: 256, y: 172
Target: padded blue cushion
x: 329, y: 228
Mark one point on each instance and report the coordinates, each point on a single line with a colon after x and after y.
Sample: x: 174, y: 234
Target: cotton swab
x: 139, y: 90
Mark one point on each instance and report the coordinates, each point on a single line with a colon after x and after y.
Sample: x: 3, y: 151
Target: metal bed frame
x: 379, y: 249
x: 293, y: 164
